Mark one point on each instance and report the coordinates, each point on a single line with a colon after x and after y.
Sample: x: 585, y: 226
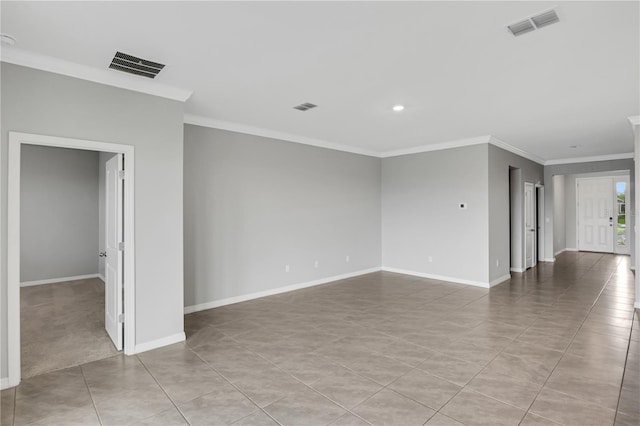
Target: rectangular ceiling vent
x: 534, y: 22
x: 133, y: 65
x: 305, y: 106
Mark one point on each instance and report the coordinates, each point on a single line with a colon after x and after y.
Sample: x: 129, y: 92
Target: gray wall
x: 571, y: 239
x: 58, y: 213
x: 559, y: 216
x: 102, y: 161
x: 254, y: 205
x: 420, y: 215
x: 44, y: 103
x: 580, y: 168
x: 500, y: 161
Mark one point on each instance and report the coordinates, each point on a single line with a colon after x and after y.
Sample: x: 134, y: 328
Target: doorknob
x: 102, y: 254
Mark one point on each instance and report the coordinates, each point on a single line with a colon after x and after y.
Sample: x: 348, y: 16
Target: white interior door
x: 595, y: 214
x: 113, y: 263
x: 540, y: 222
x: 529, y: 226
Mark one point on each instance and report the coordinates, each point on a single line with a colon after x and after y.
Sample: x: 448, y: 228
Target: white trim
x: 278, y: 290
x: 16, y: 140
x: 608, y: 157
x: 437, y: 146
x: 633, y: 268
x: 58, y: 280
x: 520, y: 152
x: 273, y: 134
x: 500, y: 280
x: 636, y: 305
x: 437, y: 277
x: 198, y: 120
x: 102, y: 277
x: 634, y: 120
x: 158, y: 343
x: 549, y: 260
x: 4, y: 383
x: 560, y: 251
x: 571, y: 249
x: 109, y: 77
x: 518, y: 270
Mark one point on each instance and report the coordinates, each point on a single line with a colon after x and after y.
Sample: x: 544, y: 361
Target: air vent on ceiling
x: 133, y: 65
x: 534, y: 22
x: 545, y: 18
x: 305, y: 106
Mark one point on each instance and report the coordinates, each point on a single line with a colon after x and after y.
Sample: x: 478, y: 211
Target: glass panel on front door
x: 621, y: 234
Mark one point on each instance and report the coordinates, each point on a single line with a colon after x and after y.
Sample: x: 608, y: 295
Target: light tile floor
x: 62, y: 325
x: 558, y: 344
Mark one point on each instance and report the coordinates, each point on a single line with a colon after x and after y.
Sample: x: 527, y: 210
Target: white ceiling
x: 454, y: 66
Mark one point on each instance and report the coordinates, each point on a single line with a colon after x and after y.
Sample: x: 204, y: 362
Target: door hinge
x: 121, y: 174
x: 121, y: 318
x: 121, y: 246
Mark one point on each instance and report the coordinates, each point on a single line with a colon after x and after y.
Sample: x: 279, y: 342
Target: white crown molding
x: 608, y: 157
x: 273, y: 134
x: 635, y: 120
x: 520, y: 152
x: 437, y: 146
x: 108, y: 77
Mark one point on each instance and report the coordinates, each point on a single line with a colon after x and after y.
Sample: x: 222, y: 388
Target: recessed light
x: 398, y: 108
x: 7, y: 39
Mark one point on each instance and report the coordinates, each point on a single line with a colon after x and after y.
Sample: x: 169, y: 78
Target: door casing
x: 16, y: 140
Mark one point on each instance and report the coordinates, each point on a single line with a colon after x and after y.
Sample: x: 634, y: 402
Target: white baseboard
x: 571, y: 249
x: 102, y: 278
x: 559, y: 251
x: 518, y: 270
x: 553, y: 259
x: 636, y: 305
x: 58, y: 280
x: 251, y: 296
x: 500, y: 280
x: 437, y: 277
x: 633, y: 268
x: 4, y: 383
x: 155, y: 344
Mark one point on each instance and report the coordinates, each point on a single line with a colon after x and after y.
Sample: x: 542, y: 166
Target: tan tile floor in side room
x: 558, y: 344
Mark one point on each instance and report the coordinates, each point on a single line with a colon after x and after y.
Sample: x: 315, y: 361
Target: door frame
x: 16, y: 140
x: 613, y: 236
x: 540, y: 228
x: 627, y: 191
x: 534, y: 214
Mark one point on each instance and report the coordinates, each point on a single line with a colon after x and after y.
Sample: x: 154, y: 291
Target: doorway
x: 530, y: 234
x: 601, y: 206
x: 122, y: 212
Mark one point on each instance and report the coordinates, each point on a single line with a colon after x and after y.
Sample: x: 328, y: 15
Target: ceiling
x: 454, y: 66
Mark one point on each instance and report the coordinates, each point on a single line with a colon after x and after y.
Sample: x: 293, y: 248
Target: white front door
x: 113, y: 307
x: 595, y: 214
x: 529, y: 227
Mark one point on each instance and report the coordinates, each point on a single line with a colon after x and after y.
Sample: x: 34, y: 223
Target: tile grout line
x: 624, y: 371
x: 93, y: 402
x: 163, y: 391
x: 568, y: 346
x: 232, y: 384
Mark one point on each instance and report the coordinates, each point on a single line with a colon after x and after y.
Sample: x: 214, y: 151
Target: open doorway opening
x: 69, y: 202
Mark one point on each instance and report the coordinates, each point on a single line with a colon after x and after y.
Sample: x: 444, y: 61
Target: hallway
x: 558, y: 344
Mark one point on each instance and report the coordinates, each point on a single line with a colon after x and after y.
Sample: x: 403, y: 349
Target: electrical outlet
x: 286, y: 268
x: 430, y: 259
